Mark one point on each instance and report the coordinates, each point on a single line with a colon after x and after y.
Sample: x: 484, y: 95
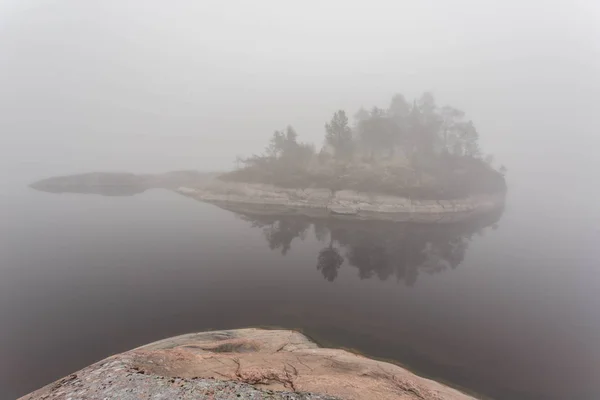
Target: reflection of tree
x: 369, y: 257
x: 329, y: 261
x: 320, y: 229
x: 377, y: 248
x: 382, y: 249
x: 280, y: 232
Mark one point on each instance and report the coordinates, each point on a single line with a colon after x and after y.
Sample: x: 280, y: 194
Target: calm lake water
x: 507, y: 306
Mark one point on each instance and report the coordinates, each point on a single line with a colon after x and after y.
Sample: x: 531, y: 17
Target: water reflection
x: 376, y: 248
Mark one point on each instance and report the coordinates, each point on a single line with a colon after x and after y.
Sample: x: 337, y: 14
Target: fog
x: 150, y: 86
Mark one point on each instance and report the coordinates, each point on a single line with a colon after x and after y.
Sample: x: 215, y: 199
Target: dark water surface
x: 507, y: 305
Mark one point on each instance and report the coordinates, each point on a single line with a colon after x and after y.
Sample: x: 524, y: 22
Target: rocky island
x: 409, y: 162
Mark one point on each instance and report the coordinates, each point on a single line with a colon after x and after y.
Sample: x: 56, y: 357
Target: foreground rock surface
x: 247, y: 364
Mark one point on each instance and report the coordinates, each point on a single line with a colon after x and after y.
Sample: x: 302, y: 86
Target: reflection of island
x: 376, y: 248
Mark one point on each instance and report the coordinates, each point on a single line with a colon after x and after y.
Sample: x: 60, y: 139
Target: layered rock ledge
x: 243, y: 363
x: 343, y: 203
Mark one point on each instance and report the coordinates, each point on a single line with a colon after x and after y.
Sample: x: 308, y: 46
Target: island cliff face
x: 315, y: 202
x: 266, y: 198
x: 247, y: 364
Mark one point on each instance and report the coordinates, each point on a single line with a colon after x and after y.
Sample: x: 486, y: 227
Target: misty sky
x: 148, y: 85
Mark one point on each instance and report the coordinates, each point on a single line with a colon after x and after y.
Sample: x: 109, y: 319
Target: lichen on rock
x: 246, y: 364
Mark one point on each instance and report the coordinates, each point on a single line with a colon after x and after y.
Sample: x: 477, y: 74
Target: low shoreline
x: 270, y: 199
x: 315, y: 202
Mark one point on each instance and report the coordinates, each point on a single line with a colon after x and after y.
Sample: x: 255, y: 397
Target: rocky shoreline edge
x: 314, y: 202
x: 270, y: 199
x: 243, y: 364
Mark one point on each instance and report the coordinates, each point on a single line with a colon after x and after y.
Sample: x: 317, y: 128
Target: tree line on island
x: 376, y: 248
x: 416, y: 150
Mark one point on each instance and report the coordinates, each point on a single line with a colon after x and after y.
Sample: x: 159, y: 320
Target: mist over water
x: 504, y: 305
x: 150, y: 86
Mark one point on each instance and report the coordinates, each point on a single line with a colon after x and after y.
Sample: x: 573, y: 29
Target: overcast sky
x: 148, y: 85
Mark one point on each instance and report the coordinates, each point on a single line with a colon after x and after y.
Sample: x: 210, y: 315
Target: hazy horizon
x: 149, y: 86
